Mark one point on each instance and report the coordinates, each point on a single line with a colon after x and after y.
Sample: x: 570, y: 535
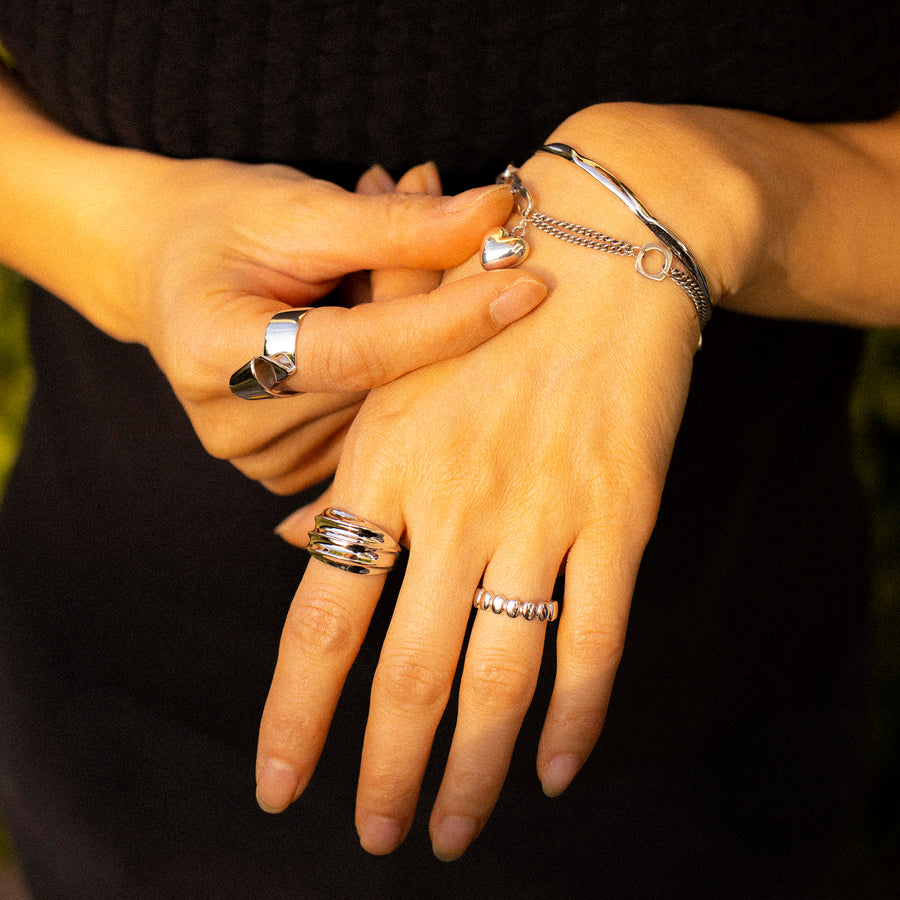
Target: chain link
x: 581, y: 236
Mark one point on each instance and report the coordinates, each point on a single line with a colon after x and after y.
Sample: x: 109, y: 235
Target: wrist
x: 73, y: 212
x: 682, y: 167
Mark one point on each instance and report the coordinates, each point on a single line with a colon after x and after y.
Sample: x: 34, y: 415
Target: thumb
x: 358, y: 349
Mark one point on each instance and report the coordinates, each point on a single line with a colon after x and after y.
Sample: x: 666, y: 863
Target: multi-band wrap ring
x: 545, y: 611
x: 351, y: 544
x: 504, y: 248
x: 261, y: 377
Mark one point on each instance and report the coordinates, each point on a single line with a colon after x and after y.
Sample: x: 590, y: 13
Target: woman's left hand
x: 547, y: 446
x: 550, y: 444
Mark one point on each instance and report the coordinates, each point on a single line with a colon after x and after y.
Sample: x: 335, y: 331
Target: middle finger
x: 410, y: 688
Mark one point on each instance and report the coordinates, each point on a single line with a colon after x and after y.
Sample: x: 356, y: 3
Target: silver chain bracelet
x: 504, y: 248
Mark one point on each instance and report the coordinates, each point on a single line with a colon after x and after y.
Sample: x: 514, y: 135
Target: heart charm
x: 502, y: 250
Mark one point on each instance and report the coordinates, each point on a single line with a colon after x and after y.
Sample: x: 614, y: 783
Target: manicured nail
x: 376, y: 180
x: 431, y: 179
x: 276, y: 786
x: 516, y: 301
x: 559, y: 774
x: 452, y: 837
x: 296, y: 520
x: 473, y: 197
x: 379, y: 834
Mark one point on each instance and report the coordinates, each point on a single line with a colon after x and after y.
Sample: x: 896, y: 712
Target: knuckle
x: 353, y: 361
x: 413, y: 681
x: 582, y: 724
x: 218, y: 442
x: 597, y: 645
x: 281, y: 486
x: 399, y: 209
x: 217, y: 445
x: 499, y: 684
x: 281, y: 725
x: 320, y: 626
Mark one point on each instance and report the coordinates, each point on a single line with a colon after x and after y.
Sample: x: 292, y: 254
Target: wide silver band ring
x: 261, y: 377
x: 351, y: 544
x: 544, y: 611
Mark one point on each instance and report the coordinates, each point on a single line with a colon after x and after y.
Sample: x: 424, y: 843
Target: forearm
x: 70, y: 211
x: 787, y: 220
x: 831, y: 197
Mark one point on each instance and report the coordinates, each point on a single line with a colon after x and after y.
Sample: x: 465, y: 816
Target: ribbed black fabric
x: 467, y: 83
x: 141, y: 590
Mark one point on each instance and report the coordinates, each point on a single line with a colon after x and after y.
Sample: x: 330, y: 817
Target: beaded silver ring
x: 543, y: 611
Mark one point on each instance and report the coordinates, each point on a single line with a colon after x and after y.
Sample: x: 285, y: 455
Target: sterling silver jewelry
x: 700, y: 295
x: 260, y: 378
x: 504, y: 248
x: 497, y: 603
x: 351, y: 544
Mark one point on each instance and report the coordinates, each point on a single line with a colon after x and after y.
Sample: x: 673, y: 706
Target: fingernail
x: 276, y: 786
x: 377, y: 180
x: 297, y: 523
x: 452, y: 837
x: 473, y: 197
x: 379, y: 834
x: 432, y: 179
x: 516, y: 301
x: 559, y: 774
x: 420, y: 180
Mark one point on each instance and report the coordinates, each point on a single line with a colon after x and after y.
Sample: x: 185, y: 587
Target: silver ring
x: 351, y: 544
x: 497, y: 603
x: 260, y: 378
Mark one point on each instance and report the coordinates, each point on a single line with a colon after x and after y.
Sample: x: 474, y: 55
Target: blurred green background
x: 872, y: 864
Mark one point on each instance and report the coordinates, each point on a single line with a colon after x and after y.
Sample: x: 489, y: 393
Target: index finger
x: 322, y: 635
x: 344, y: 232
x: 357, y: 349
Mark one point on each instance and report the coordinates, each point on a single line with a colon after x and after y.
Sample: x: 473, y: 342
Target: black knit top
x: 142, y: 592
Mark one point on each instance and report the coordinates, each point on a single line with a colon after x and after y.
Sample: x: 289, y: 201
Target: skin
x: 478, y: 432
x: 192, y: 258
x: 474, y: 463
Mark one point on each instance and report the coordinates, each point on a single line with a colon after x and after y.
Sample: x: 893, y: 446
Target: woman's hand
x: 550, y: 445
x: 192, y: 259
x: 296, y: 253
x: 239, y: 244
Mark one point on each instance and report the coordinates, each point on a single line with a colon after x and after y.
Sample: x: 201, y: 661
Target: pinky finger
x: 590, y: 640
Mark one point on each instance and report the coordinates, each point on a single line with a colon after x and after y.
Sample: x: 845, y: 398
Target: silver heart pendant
x: 502, y: 250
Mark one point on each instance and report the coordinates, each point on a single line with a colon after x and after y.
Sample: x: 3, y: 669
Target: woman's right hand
x: 252, y: 241
x: 193, y: 258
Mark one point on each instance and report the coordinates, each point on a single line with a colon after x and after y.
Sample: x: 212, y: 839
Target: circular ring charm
x: 649, y: 248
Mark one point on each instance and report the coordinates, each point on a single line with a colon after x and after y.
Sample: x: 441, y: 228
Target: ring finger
x: 498, y: 681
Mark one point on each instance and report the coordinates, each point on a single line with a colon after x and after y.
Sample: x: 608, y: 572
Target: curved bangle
x: 702, y: 303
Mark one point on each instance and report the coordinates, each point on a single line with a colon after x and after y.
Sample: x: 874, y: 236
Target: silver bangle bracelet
x: 504, y: 248
x: 701, y: 298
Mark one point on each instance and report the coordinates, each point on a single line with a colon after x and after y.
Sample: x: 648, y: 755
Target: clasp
x: 649, y: 248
